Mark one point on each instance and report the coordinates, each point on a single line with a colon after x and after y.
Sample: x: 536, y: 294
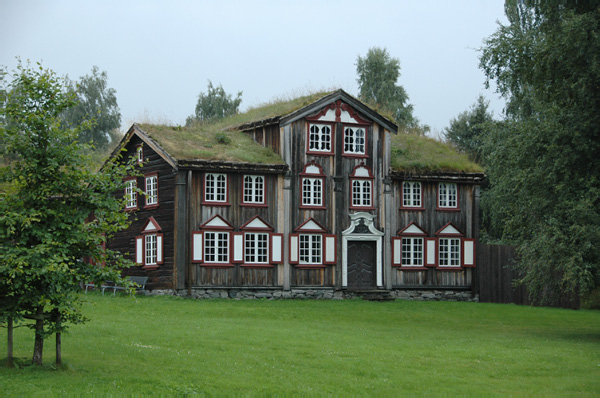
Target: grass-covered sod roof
x: 413, y: 153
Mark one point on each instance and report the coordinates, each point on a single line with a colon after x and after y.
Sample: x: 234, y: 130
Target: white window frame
x: 447, y: 195
x: 151, y: 249
x: 151, y: 190
x: 220, y: 242
x: 410, y: 251
x: 413, y: 196
x: 362, y: 197
x: 352, y: 140
x: 254, y: 189
x: 312, y: 191
x: 131, y: 194
x: 449, y: 252
x: 318, y: 139
x: 310, y: 249
x: 253, y: 250
x: 215, y: 187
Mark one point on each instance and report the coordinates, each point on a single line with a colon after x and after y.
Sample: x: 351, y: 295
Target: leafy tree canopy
x: 215, y: 104
x: 55, y: 210
x: 468, y: 130
x: 378, y: 74
x: 543, y: 161
x: 94, y: 101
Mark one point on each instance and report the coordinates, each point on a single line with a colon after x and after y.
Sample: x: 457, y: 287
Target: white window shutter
x: 197, y: 246
x: 430, y: 252
x: 469, y: 252
x: 139, y: 249
x: 159, y: 248
x: 330, y: 249
x: 276, y: 248
x: 238, y: 248
x: 397, y: 251
x: 294, y: 249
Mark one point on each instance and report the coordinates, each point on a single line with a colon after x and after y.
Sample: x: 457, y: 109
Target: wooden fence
x: 495, y: 278
x: 495, y: 275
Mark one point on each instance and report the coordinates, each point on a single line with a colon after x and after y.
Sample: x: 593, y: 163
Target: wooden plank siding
x: 236, y: 215
x: 124, y: 241
x: 432, y: 220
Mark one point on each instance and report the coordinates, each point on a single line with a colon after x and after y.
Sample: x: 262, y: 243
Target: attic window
x: 320, y: 138
x: 354, y: 141
x: 411, y: 195
x: 140, y: 154
x: 254, y: 190
x: 447, y: 196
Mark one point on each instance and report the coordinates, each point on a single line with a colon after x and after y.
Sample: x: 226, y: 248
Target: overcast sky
x: 159, y: 55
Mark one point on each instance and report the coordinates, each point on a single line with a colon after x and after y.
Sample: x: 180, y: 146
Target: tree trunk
x: 58, y: 343
x: 38, y: 348
x: 9, y: 344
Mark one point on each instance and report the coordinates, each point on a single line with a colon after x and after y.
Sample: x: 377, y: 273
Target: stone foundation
x: 322, y: 294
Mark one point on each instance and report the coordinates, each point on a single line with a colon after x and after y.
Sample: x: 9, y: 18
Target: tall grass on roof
x: 412, y: 153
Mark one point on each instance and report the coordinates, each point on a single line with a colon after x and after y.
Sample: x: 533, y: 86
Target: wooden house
x: 305, y: 200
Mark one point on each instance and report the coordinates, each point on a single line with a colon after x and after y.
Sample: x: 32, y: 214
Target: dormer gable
x: 217, y: 222
x: 256, y: 224
x: 412, y: 229
x: 449, y: 230
x: 311, y: 225
x: 151, y: 226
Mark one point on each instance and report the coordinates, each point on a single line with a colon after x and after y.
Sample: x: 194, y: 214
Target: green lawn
x: 174, y: 345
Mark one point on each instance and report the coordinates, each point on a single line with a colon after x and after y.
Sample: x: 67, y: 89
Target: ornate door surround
x: 362, y: 229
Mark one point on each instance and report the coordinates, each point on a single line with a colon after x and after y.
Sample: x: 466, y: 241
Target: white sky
x: 159, y: 55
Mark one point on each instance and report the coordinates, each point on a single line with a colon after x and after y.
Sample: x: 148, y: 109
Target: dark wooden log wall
x: 237, y: 216
x: 124, y: 241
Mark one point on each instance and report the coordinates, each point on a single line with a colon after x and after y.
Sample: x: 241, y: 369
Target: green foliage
x: 215, y: 104
x: 96, y: 102
x: 469, y: 129
x: 295, y: 347
x: 543, y: 160
x: 378, y: 73
x: 56, y: 210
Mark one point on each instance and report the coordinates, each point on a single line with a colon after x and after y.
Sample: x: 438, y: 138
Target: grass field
x: 176, y: 346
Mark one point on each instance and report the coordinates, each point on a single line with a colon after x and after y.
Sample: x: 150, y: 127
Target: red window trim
x: 202, y: 229
x: 370, y: 178
x: 402, y: 234
x: 447, y: 209
x: 142, y: 236
x: 264, y: 196
x: 311, y: 121
x: 215, y: 203
x: 364, y: 126
x: 320, y: 176
x: 146, y: 205
x: 411, y: 208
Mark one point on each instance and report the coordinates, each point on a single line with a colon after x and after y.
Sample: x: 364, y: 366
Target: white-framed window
x: 256, y: 248
x: 150, y: 252
x: 254, y: 189
x: 216, y: 247
x: 447, y: 195
x: 361, y: 193
x: 130, y: 194
x: 140, y: 154
x: 411, y: 194
x: 151, y: 190
x: 449, y: 252
x: 311, y: 248
x: 149, y: 245
x: 215, y: 187
x: 319, y: 138
x: 312, y: 181
x: 312, y: 192
x: 354, y: 141
x: 412, y: 252
x: 361, y: 187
